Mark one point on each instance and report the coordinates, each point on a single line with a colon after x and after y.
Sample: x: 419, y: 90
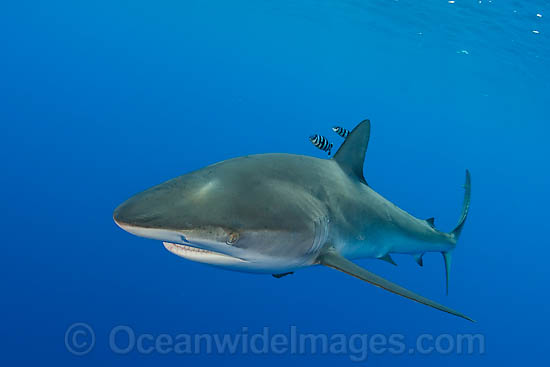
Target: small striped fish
x: 321, y: 142
x: 341, y: 131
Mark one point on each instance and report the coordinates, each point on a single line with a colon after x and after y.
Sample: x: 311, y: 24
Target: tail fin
x: 458, y: 229
x: 465, y: 206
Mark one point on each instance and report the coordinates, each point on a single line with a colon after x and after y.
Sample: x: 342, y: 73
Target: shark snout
x: 143, y: 225
x: 151, y: 215
x: 133, y: 221
x: 148, y: 209
x: 130, y: 214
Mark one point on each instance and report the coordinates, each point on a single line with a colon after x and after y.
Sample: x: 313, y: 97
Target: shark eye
x: 232, y: 238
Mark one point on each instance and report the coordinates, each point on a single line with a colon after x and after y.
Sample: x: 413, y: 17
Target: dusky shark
x: 276, y: 213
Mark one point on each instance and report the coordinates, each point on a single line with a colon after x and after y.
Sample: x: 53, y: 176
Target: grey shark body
x: 276, y: 213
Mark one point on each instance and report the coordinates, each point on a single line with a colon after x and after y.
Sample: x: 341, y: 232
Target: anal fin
x: 278, y: 276
x: 338, y: 262
x: 418, y: 259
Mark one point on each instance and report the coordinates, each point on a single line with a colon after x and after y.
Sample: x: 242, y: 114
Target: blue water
x: 100, y: 100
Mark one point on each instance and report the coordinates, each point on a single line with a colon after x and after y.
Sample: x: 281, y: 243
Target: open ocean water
x: 100, y: 100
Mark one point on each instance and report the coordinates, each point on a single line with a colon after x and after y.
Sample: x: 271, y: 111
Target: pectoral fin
x: 338, y: 262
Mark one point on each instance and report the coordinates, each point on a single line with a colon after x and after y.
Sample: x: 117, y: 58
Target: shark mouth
x: 202, y: 255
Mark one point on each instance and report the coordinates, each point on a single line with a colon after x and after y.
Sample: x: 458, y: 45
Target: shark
x: 277, y: 213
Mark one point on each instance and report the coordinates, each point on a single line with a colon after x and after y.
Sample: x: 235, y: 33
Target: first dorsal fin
x: 351, y: 155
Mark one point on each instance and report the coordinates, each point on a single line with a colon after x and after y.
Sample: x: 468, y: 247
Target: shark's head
x: 240, y: 213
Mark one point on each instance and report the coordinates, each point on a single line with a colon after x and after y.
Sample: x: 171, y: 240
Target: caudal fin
x: 465, y: 206
x: 458, y: 229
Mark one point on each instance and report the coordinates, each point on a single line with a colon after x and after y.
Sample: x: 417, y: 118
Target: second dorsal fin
x: 431, y: 222
x: 351, y: 155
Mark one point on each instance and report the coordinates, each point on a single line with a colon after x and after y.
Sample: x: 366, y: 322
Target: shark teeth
x: 190, y: 248
x: 201, y: 255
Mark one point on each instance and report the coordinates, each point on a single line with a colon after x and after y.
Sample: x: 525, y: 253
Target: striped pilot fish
x: 341, y: 131
x: 321, y: 142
